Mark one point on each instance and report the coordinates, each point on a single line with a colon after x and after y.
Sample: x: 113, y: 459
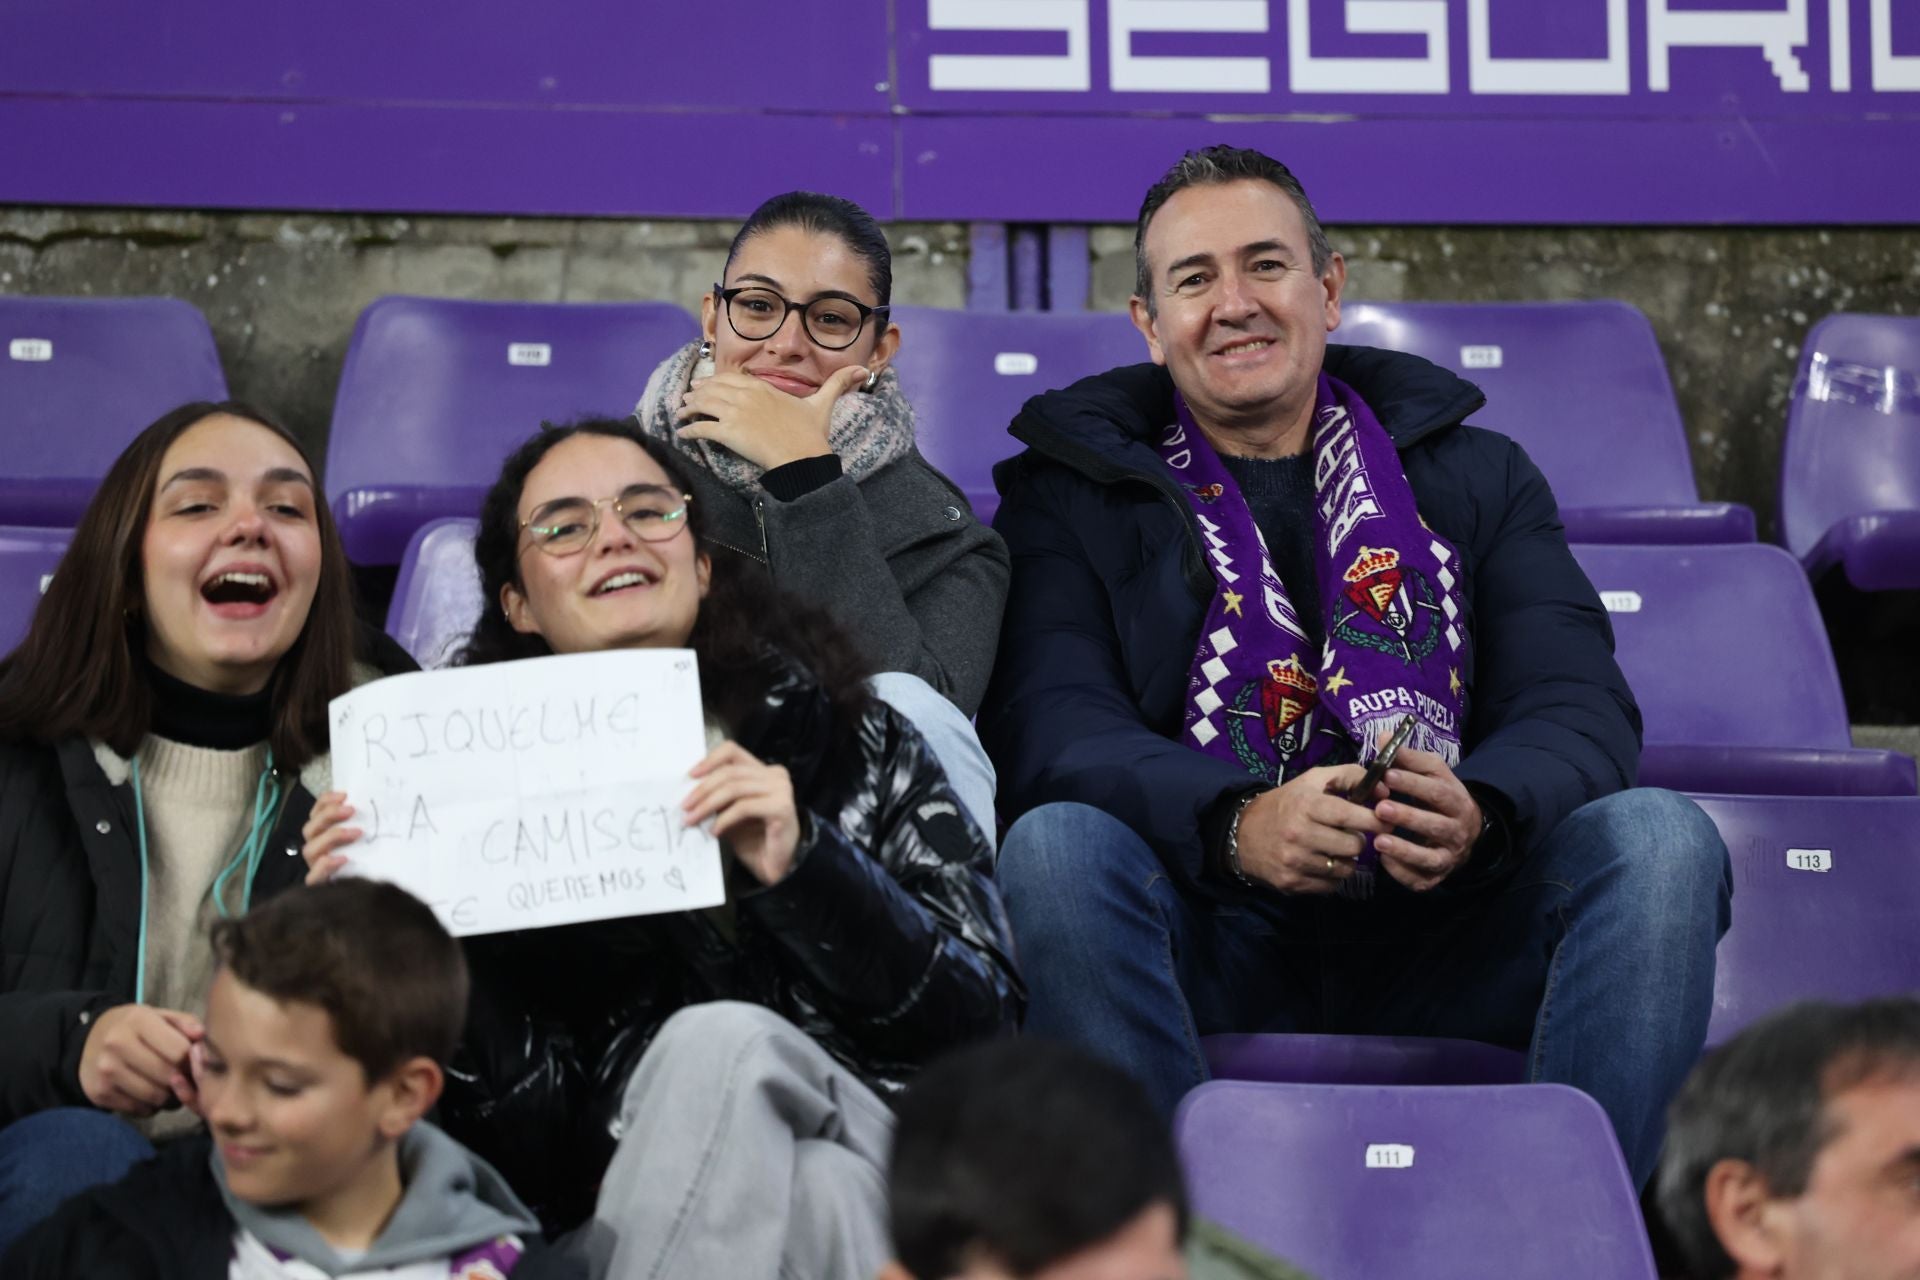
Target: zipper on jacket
x: 763, y: 556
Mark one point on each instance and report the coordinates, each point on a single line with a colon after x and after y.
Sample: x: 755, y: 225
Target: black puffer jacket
x: 886, y: 943
x: 70, y: 899
x: 70, y: 911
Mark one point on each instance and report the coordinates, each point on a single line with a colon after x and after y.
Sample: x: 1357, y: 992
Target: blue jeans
x: 952, y: 739
x: 1596, y: 955
x: 51, y: 1155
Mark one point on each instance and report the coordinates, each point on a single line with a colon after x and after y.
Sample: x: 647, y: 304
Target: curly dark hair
x: 742, y: 627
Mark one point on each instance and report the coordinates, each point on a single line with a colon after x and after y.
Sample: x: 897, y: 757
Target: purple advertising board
x: 1524, y: 111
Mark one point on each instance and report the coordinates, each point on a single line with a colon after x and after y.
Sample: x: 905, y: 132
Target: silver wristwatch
x: 1233, y: 841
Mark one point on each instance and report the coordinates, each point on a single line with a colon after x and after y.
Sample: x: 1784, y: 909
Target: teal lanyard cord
x: 266, y: 802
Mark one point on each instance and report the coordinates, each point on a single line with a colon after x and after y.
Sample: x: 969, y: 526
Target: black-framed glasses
x: 567, y: 525
x: 757, y: 312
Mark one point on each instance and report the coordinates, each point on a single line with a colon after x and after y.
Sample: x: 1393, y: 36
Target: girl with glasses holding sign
x: 709, y: 1085
x: 804, y: 466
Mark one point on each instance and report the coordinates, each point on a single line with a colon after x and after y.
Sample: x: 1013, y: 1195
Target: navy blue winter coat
x: 1110, y: 590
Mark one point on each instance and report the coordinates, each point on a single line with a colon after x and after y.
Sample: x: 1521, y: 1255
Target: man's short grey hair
x: 1216, y: 166
x: 1761, y: 1098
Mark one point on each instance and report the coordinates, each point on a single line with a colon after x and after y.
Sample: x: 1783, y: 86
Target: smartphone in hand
x: 1362, y: 793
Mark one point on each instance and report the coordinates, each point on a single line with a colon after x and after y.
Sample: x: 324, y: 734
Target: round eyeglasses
x: 567, y: 525
x: 833, y: 322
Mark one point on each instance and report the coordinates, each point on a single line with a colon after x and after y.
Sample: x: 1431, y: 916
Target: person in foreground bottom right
x: 1027, y: 1159
x: 1793, y: 1151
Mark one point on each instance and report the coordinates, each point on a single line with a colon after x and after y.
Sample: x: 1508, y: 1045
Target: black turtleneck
x: 191, y: 715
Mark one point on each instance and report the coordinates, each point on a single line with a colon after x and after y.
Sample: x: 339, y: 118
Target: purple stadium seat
x: 1850, y: 480
x: 1583, y: 387
x: 1825, y: 899
x: 968, y: 372
x: 437, y: 599
x: 437, y: 391
x: 28, y: 558
x: 1728, y: 657
x: 80, y: 377
x: 1354, y: 1182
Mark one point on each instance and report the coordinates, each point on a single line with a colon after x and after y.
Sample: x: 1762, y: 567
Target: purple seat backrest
x: 437, y: 391
x: 1447, y: 1182
x: 1826, y: 893
x: 28, y: 558
x: 1853, y: 428
x: 1581, y: 385
x: 968, y: 372
x: 79, y: 378
x: 1721, y: 644
x: 437, y: 598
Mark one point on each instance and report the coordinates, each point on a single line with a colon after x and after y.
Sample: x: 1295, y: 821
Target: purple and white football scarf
x: 1389, y: 591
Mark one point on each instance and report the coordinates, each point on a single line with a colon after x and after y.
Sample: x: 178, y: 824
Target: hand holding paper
x: 752, y: 805
x: 325, y: 836
x: 525, y: 794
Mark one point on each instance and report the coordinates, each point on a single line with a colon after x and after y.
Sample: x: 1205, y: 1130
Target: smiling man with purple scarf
x: 1236, y: 571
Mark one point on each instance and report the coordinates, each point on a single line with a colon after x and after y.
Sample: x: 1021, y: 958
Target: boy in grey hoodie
x: 327, y: 1025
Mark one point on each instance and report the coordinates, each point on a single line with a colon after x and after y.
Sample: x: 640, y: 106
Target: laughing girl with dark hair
x: 156, y: 726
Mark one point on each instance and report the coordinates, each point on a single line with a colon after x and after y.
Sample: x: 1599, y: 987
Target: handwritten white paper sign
x: 531, y: 793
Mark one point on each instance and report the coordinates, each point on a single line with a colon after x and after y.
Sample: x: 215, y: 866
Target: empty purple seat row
x: 79, y: 377
x: 1584, y: 388
x: 969, y: 372
x: 1349, y: 1182
x: 1850, y: 478
x: 437, y: 391
x: 1727, y: 655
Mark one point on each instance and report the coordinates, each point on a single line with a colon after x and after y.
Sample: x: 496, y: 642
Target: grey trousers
x: 953, y: 740
x: 746, y: 1152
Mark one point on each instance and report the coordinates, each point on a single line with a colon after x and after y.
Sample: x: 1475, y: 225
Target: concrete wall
x: 283, y: 291
x: 1730, y: 305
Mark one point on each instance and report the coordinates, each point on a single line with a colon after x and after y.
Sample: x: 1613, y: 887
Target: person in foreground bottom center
x: 1237, y: 570
x: 1032, y: 1160
x: 717, y: 1077
x: 329, y: 1018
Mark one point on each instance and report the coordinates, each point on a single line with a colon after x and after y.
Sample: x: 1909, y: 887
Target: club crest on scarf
x: 1392, y: 607
x: 1388, y: 591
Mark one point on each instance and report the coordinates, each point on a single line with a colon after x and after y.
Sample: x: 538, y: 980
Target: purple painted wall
x: 1578, y: 111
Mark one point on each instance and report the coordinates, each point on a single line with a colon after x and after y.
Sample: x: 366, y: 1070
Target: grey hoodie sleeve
x: 904, y: 566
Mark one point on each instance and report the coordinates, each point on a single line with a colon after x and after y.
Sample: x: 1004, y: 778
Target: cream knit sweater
x: 199, y: 810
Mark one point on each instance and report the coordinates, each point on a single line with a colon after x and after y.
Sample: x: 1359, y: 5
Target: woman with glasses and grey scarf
x: 804, y: 467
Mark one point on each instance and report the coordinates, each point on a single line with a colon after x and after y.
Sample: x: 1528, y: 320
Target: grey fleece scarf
x: 868, y: 430
x: 453, y: 1202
